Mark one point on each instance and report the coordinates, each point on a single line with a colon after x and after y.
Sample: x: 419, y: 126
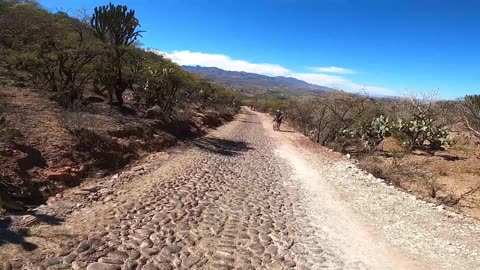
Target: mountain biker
x: 278, y: 119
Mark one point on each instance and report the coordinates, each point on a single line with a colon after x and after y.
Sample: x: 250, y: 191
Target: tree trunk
x: 119, y: 95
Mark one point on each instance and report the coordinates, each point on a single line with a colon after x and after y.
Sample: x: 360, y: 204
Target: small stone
x: 130, y: 265
x: 149, y: 251
x: 134, y: 254
x: 117, y: 254
x: 110, y: 260
x: 103, y: 266
x: 174, y: 248
x: 303, y: 267
x: 149, y: 266
x: 69, y: 258
x: 275, y: 266
x: 78, y: 265
x: 190, y: 261
x: 162, y: 257
x: 165, y: 266
x: 256, y: 248
x: 83, y: 247
x: 146, y: 244
x: 53, y: 261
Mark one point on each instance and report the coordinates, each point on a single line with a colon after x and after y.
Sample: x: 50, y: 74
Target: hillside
x: 256, y: 84
x: 75, y: 104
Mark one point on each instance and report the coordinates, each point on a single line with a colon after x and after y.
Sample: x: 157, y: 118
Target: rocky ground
x: 243, y: 197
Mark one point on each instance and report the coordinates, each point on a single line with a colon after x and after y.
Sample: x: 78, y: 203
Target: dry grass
x: 451, y: 178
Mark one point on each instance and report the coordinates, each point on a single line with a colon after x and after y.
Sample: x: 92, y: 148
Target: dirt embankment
x: 450, y: 177
x: 54, y: 149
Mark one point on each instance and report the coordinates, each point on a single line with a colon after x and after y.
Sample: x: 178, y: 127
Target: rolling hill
x: 255, y: 84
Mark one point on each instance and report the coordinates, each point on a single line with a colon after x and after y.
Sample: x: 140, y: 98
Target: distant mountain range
x: 255, y: 84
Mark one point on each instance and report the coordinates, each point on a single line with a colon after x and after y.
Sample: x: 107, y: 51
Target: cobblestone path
x: 225, y: 204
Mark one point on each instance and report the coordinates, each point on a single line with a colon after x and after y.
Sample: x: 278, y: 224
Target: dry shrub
x: 397, y: 171
x: 373, y: 165
x: 328, y: 118
x: 452, y: 197
x: 429, y: 183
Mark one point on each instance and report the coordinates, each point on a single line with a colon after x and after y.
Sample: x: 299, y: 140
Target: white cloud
x: 225, y: 62
x: 333, y: 69
x: 337, y: 82
x: 189, y: 58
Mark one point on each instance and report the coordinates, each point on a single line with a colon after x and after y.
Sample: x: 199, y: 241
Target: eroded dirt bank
x: 45, y: 149
x: 247, y: 198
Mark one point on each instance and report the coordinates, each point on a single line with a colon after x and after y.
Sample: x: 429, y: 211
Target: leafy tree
x: 23, y: 27
x: 66, y: 58
x: 56, y: 49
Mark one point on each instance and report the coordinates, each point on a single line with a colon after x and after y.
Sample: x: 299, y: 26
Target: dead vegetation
x: 419, y: 143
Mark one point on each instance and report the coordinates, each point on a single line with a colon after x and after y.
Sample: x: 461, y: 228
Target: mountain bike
x: 276, y: 125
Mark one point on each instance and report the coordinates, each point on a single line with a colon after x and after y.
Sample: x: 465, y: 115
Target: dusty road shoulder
x: 372, y: 222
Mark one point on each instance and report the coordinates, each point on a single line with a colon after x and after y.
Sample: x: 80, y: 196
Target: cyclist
x: 278, y: 120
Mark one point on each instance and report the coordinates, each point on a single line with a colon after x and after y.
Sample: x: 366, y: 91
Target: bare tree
x: 323, y: 118
x: 422, y: 103
x: 471, y: 113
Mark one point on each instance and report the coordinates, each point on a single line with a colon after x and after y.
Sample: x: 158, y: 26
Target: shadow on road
x: 18, y: 236
x: 222, y: 147
x: 251, y: 122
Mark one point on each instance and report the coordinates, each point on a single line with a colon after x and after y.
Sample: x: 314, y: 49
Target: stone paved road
x: 229, y: 202
x: 222, y: 205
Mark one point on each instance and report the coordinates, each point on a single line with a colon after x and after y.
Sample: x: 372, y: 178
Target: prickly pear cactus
x: 421, y: 132
x: 375, y: 131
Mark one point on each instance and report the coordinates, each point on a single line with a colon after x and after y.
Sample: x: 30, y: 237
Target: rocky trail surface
x: 244, y: 197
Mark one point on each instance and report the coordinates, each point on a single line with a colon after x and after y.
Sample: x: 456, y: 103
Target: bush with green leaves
x: 56, y: 49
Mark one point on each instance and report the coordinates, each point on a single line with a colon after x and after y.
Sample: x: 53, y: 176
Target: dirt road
x: 246, y: 197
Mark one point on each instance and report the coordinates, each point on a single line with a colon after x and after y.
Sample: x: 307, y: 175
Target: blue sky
x: 385, y: 46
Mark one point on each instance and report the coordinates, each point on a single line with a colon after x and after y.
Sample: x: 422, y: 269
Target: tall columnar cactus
x: 115, y: 24
x: 117, y: 27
